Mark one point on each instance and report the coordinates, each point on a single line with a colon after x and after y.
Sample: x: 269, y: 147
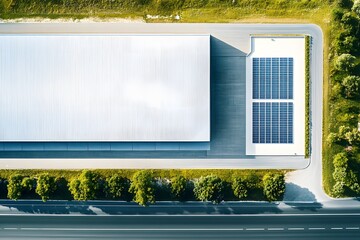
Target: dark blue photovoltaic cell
x: 272, y: 122
x: 275, y: 78
x: 272, y: 78
x: 275, y: 123
x: 255, y: 122
x: 255, y: 78
x: 283, y: 78
x: 291, y: 79
x: 268, y: 123
x: 262, y: 78
x: 283, y: 122
x: 268, y: 78
x: 290, y: 123
x: 262, y: 122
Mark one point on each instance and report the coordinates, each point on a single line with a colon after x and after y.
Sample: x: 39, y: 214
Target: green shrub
x: 345, y: 62
x: 351, y: 86
x: 274, y: 186
x: 340, y: 160
x: 338, y: 189
x: 85, y: 186
x: 209, y: 188
x: 339, y: 174
x: 239, y: 188
x: 117, y: 186
x: 14, y: 186
x: 143, y: 187
x: 45, y: 186
x: 356, y: 7
x: 178, y: 187
x: 352, y: 181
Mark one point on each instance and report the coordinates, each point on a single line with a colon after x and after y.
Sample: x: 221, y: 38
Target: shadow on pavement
x: 126, y: 208
x: 296, y: 193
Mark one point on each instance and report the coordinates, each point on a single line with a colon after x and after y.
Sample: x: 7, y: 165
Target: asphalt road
x: 275, y: 226
x: 168, y: 220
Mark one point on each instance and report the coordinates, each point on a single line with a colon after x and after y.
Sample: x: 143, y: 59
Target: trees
x: 351, y: 86
x: 85, y: 186
x: 338, y: 189
x: 345, y: 62
x: 143, y: 187
x: 274, y: 186
x: 239, y: 188
x: 14, y: 186
x: 45, y: 186
x: 209, y: 188
x: 339, y: 174
x: 116, y: 186
x: 356, y: 7
x: 178, y: 187
x: 340, y: 160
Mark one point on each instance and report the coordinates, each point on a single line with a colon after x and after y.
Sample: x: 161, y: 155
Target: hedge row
x: 143, y: 187
x: 307, y: 95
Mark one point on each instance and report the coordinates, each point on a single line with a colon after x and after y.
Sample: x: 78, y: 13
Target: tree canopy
x: 239, y: 188
x: 85, y: 186
x: 14, y: 186
x: 116, y: 186
x: 178, y: 186
x: 345, y: 62
x: 45, y: 186
x: 274, y: 186
x: 351, y: 86
x: 209, y: 188
x: 143, y: 187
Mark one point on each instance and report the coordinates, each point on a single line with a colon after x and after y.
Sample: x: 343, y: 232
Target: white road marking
x: 275, y: 229
x: 336, y: 228
x: 255, y: 229
x: 317, y: 228
x: 352, y: 228
x: 131, y: 229
x: 295, y: 229
x: 10, y: 228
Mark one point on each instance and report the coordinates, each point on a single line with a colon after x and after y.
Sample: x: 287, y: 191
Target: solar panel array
x: 272, y: 122
x: 273, y: 100
x: 272, y: 78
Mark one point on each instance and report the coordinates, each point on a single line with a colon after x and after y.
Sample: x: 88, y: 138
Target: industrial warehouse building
x: 148, y: 93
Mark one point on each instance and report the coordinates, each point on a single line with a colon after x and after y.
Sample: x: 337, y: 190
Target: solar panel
x: 273, y: 78
x: 272, y: 122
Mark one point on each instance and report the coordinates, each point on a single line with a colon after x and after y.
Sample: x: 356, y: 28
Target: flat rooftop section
x: 290, y: 51
x: 104, y: 87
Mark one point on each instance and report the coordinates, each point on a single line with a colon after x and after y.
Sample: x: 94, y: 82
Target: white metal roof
x: 104, y: 87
